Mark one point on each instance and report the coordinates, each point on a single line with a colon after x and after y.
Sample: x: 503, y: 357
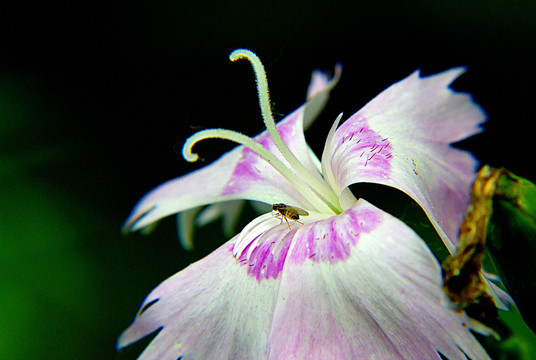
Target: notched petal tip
x: 132, y: 223
x: 418, y: 119
x: 448, y: 76
x: 444, y: 78
x: 129, y: 337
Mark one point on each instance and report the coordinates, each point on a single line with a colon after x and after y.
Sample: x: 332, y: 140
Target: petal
x: 185, y: 227
x: 374, y: 292
x: 354, y: 286
x: 318, y: 93
x: 240, y: 173
x: 229, y: 211
x: 211, y: 310
x: 402, y: 138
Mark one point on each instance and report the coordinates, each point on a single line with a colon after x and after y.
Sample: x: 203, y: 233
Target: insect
x: 286, y: 212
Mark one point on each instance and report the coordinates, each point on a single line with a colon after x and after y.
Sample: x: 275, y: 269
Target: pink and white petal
x: 241, y: 174
x: 353, y: 286
x: 219, y: 307
x: 213, y: 309
x: 238, y: 174
x: 402, y: 139
x: 318, y: 94
x: 363, y: 285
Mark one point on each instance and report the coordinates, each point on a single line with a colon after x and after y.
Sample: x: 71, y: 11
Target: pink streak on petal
x: 210, y: 310
x: 244, y: 174
x: 331, y: 240
x: 384, y: 301
x: 251, y: 171
x: 267, y: 259
x: 322, y: 241
x: 419, y: 117
x: 238, y: 174
x: 369, y: 152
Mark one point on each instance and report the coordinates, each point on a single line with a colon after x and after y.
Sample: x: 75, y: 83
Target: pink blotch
x: 325, y: 241
x: 247, y: 171
x: 364, y: 148
x: 331, y: 240
x: 267, y: 259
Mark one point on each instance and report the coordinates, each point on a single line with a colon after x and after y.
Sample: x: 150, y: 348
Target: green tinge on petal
x: 511, y: 240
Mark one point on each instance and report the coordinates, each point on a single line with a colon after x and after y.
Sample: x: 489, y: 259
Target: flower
x: 347, y: 281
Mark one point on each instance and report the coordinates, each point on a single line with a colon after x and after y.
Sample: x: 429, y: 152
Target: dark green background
x: 95, y: 97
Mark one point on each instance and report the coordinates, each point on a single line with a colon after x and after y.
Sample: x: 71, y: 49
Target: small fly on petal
x: 286, y: 212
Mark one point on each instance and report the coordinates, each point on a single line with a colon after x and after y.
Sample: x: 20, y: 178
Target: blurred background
x: 96, y: 98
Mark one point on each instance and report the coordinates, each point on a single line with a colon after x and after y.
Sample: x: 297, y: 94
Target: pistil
x: 315, y: 190
x: 264, y: 101
x: 261, y: 151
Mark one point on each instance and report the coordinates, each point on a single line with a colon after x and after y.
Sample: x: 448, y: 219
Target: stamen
x: 318, y: 202
x: 264, y: 100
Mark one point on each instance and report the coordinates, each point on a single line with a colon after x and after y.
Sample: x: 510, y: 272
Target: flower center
x: 320, y: 194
